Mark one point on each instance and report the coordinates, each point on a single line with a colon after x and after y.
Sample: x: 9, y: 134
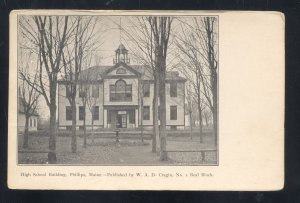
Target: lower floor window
x: 96, y: 113
x: 81, y: 113
x: 173, y: 112
x: 131, y: 116
x: 111, y: 116
x: 146, y: 113
x: 68, y: 113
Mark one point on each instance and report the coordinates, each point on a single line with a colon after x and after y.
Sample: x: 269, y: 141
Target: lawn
x: 129, y: 151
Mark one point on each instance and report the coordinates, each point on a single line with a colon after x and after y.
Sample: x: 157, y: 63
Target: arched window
x: 120, y: 91
x: 120, y: 86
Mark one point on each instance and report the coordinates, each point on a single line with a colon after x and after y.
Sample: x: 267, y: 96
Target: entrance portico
x: 121, y: 116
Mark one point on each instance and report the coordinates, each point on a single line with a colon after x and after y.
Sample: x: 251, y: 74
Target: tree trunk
x: 52, y: 138
x: 200, y: 117
x: 25, y: 141
x: 201, y: 126
x: 93, y: 139
x: 74, y: 137
x: 162, y: 97
x: 84, y: 129
x: 142, y: 119
x: 215, y: 107
x: 155, y: 136
x: 191, y: 127
x: 206, y: 119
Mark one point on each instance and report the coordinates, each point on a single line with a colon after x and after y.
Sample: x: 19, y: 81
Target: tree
x: 152, y: 41
x: 28, y: 95
x: 143, y: 50
x: 81, y: 41
x: 199, y: 46
x: 211, y: 43
x: 192, y: 69
x: 207, y: 35
x: 189, y: 98
x: 92, y: 98
x: 161, y: 28
x: 87, y: 80
x: 48, y: 35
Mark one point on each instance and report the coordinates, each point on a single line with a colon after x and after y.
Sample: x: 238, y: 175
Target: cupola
x: 121, y: 55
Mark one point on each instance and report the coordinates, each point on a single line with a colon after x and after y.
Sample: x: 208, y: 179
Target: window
x: 112, y: 92
x: 96, y: 113
x: 128, y: 93
x: 109, y: 112
x: 121, y: 71
x: 82, y: 93
x: 34, y: 122
x: 173, y: 89
x: 95, y: 91
x: 68, y: 113
x: 68, y: 91
x: 111, y: 116
x: 120, y: 91
x: 30, y: 120
x: 173, y: 112
x: 146, y: 89
x: 81, y: 113
x: 146, y: 113
x: 131, y: 116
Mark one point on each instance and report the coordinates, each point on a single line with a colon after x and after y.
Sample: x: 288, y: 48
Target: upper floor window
x: 68, y: 91
x: 95, y: 91
x: 120, y: 91
x: 82, y: 92
x: 121, y: 71
x: 173, y: 89
x: 146, y: 89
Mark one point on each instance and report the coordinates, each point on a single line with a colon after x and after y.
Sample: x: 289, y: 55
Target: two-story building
x: 120, y: 96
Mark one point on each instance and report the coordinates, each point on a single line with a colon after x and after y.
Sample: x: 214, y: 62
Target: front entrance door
x: 122, y: 121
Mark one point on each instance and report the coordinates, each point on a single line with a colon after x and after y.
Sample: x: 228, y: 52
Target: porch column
x: 105, y: 119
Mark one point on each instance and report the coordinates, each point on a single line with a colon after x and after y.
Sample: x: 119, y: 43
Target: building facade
x: 121, y: 96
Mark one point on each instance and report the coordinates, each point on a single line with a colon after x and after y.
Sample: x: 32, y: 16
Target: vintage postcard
x: 146, y: 100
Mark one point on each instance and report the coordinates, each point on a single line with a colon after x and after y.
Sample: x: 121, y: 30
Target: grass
x: 105, y: 151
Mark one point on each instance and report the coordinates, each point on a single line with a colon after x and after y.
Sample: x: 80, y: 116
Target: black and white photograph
x: 146, y: 100
x: 117, y: 90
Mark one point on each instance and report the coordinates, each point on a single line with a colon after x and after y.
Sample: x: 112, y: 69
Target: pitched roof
x: 94, y: 72
x: 97, y: 73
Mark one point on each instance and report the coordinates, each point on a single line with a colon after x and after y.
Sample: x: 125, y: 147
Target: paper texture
x: 250, y: 150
